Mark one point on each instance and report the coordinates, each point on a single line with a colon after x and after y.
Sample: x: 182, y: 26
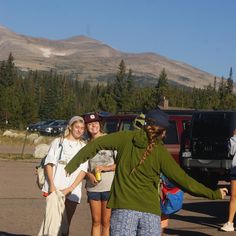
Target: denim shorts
x: 233, y: 176
x: 126, y: 222
x: 98, y: 196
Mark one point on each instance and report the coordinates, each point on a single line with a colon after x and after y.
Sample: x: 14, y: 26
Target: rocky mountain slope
x: 93, y: 60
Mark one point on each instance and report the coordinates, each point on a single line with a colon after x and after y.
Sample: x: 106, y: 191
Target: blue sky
x: 201, y: 33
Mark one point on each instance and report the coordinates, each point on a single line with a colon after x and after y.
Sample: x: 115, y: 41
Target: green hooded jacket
x: 139, y: 190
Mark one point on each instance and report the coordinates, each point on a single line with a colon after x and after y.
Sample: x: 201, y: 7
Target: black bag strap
x: 60, y: 146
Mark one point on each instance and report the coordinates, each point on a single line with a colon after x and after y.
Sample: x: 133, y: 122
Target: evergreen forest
x: 38, y: 95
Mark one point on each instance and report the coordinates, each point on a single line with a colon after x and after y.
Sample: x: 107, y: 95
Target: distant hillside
x: 92, y: 60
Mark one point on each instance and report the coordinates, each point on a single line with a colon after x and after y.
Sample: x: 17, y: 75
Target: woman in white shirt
x: 229, y: 225
x: 60, y: 153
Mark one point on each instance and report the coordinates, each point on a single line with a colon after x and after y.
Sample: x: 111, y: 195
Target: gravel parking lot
x: 22, y: 205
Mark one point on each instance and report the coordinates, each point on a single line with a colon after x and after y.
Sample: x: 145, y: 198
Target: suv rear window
x: 172, y: 135
x: 210, y: 125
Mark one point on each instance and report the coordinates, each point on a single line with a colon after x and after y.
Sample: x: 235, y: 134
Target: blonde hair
x: 71, y: 122
x: 153, y: 133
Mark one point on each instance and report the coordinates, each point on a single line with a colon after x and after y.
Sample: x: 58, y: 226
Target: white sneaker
x: 228, y: 227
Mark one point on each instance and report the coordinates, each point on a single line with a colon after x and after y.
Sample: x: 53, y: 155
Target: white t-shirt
x: 232, y: 151
x: 102, y: 158
x: 61, y: 181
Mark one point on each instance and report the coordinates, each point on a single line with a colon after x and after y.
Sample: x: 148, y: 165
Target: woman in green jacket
x: 141, y: 157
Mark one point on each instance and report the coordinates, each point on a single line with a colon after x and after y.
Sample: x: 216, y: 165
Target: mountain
x: 92, y: 60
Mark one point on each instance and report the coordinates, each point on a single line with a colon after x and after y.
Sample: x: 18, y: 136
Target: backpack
x: 171, y: 197
x: 40, y: 173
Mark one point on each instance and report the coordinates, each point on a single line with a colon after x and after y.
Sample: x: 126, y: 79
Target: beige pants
x: 55, y: 219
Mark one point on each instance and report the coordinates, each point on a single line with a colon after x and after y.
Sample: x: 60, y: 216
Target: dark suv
x: 178, y: 123
x: 205, y: 155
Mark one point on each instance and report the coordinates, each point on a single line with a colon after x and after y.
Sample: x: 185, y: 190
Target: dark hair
x: 101, y: 123
x: 153, y: 133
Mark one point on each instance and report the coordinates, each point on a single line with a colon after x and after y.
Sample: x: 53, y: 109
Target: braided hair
x: 153, y: 133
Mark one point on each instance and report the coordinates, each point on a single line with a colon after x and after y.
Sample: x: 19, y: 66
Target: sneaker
x: 228, y: 227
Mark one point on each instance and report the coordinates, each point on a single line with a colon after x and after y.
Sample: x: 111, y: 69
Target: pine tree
x: 8, y: 72
x: 123, y: 87
x: 214, y: 86
x: 161, y: 89
x: 230, y: 82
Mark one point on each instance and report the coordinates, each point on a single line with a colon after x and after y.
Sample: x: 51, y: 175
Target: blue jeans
x: 134, y: 223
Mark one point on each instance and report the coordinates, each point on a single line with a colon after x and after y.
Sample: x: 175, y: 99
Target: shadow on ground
x: 9, y: 234
x: 216, y: 210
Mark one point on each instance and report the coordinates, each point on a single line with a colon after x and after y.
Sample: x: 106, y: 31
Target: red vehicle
x: 178, y: 123
x: 173, y: 141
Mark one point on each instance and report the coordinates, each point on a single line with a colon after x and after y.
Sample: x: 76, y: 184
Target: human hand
x: 224, y: 192
x: 52, y: 188
x: 67, y: 191
x: 92, y: 178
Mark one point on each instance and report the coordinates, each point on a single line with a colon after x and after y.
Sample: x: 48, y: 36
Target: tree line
x: 37, y: 95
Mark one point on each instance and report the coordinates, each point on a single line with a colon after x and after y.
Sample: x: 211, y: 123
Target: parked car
x: 56, y: 127
x: 205, y: 155
x: 35, y: 127
x: 178, y: 122
x: 59, y: 127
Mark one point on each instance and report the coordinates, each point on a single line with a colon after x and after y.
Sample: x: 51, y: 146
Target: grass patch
x: 12, y: 156
x: 24, y: 138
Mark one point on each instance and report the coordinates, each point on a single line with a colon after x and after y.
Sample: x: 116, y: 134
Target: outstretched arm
x: 77, y: 181
x: 108, y: 142
x: 184, y: 181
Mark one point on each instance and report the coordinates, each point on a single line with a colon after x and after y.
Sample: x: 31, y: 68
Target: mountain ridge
x: 91, y: 59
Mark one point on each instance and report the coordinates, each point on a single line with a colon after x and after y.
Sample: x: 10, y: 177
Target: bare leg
x: 95, y: 207
x: 164, y: 222
x: 106, y: 215
x: 232, y: 203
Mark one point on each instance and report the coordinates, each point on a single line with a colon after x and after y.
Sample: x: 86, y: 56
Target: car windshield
x: 211, y: 125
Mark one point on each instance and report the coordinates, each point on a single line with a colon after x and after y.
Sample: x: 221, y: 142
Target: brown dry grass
x: 14, y: 141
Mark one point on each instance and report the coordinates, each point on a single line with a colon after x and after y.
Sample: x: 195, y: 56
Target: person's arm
x: 107, y: 142
x: 106, y: 168
x: 50, y: 162
x: 77, y: 181
x: 49, y: 172
x: 184, y: 181
x: 92, y: 178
